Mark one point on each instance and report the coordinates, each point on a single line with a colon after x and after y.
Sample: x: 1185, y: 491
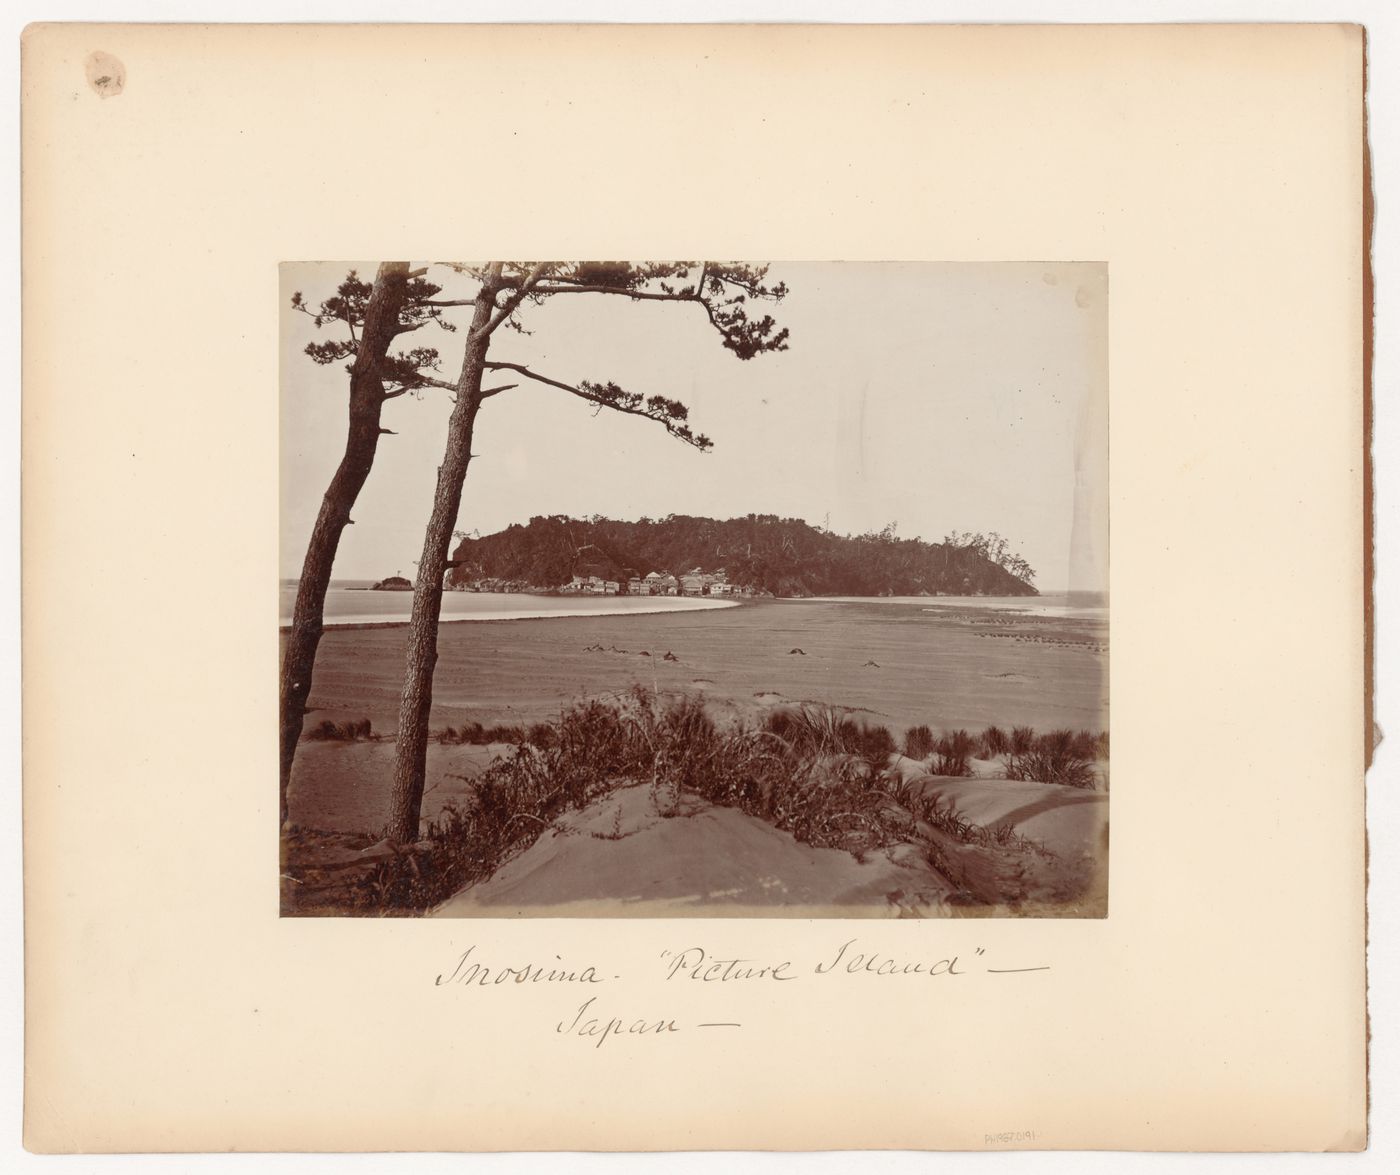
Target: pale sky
x: 936, y: 396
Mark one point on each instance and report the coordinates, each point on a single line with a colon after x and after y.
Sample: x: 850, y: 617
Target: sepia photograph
x: 712, y: 589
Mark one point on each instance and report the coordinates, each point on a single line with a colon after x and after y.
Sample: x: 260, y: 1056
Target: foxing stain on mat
x: 105, y: 74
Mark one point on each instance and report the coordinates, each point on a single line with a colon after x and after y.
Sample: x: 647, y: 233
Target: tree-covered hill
x: 784, y: 556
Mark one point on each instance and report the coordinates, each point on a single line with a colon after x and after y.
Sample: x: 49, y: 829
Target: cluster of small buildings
x: 594, y: 581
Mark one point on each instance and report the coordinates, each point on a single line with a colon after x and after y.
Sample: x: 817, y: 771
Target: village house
x: 588, y: 578
x: 696, y: 582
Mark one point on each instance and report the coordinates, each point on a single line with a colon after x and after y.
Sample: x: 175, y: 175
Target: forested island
x: 759, y: 552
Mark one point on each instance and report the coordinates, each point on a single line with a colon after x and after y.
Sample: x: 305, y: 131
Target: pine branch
x: 670, y: 414
x: 743, y: 335
x: 517, y: 296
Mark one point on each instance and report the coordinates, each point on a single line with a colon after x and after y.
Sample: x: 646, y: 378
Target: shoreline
x: 706, y: 604
x: 353, y: 623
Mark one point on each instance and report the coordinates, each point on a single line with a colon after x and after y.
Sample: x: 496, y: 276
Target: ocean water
x: 348, y: 603
x: 1089, y: 605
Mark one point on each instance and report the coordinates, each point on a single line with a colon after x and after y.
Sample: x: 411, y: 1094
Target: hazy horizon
x: 937, y: 396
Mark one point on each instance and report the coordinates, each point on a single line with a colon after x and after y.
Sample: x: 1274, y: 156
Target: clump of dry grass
x: 540, y: 734
x: 343, y: 732
x: 1061, y: 756
x: 919, y: 742
x: 475, y: 734
x: 1022, y: 740
x: 994, y: 742
x: 952, y: 754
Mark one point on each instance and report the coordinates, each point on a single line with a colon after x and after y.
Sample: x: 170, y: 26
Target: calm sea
x: 348, y: 603
x: 1090, y: 605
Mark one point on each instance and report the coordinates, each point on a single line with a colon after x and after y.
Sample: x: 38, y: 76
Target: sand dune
x: 620, y: 858
x: 1065, y: 820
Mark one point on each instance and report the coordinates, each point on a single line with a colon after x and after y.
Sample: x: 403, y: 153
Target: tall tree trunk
x: 411, y: 747
x: 381, y: 323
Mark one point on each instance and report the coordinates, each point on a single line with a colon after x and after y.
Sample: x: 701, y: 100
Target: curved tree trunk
x: 362, y: 440
x: 411, y: 747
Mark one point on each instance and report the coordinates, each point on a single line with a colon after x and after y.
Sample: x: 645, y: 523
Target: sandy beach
x: 903, y: 664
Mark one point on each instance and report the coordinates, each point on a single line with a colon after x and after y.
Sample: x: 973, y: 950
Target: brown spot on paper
x: 105, y: 74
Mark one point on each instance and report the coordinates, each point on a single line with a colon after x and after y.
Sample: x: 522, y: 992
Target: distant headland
x: 757, y: 554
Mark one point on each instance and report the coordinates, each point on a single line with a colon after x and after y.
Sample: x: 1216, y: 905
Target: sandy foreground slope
x: 620, y: 857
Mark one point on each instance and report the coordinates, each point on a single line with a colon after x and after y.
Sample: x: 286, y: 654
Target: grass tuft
x: 1061, y: 756
x: 952, y: 754
x: 477, y: 735
x: 343, y: 732
x: 994, y: 742
x: 918, y: 742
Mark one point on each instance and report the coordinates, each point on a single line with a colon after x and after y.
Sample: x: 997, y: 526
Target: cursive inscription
x: 587, y: 1025
x: 468, y: 971
x: 871, y: 963
x: 695, y: 963
x: 588, y: 1021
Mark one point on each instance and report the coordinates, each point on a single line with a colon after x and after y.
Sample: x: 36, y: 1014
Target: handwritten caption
x: 594, y: 1021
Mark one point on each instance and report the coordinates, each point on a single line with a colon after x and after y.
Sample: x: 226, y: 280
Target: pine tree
x: 372, y: 316
x: 505, y: 289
